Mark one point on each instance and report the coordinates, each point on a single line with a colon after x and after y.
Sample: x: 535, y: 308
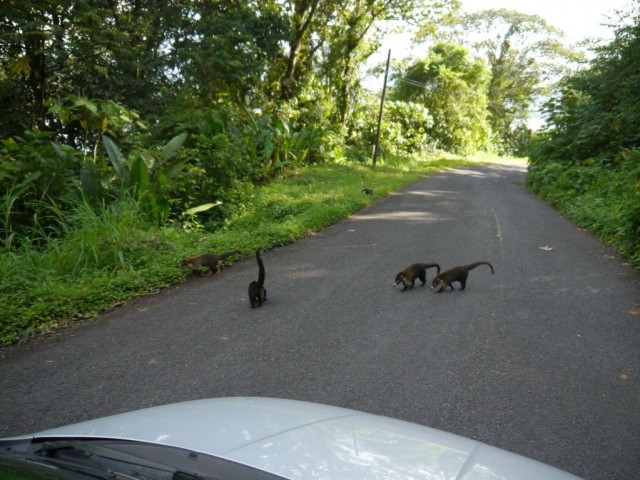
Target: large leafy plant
x: 146, y: 174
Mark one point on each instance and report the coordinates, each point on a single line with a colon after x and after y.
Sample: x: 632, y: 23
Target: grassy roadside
x: 102, y: 258
x: 600, y: 195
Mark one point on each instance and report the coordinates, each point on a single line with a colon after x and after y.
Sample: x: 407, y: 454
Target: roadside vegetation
x: 98, y: 257
x: 586, y: 161
x: 133, y: 135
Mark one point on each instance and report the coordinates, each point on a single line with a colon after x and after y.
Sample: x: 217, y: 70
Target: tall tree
x: 596, y: 111
x: 524, y: 53
x: 333, y: 38
x: 354, y: 37
x: 105, y: 50
x: 453, y: 87
x: 140, y: 54
x: 29, y: 42
x: 302, y: 13
x: 225, y: 50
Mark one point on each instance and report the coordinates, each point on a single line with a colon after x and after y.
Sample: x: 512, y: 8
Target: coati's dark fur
x: 367, y: 191
x: 407, y: 276
x: 209, y: 260
x: 257, y: 292
x: 455, y: 274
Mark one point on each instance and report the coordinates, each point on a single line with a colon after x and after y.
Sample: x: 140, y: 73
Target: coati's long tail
x: 222, y: 256
x: 261, y: 273
x: 257, y: 292
x: 477, y: 264
x: 432, y: 265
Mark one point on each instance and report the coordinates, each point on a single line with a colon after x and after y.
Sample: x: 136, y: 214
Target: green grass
x: 101, y: 257
x: 600, y: 196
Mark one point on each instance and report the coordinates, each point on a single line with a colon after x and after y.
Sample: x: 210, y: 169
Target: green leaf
x: 86, y: 103
x: 139, y: 177
x: 21, y: 66
x: 211, y: 125
x: 33, y: 176
x: 115, y: 155
x: 202, y: 208
x: 89, y: 179
x: 173, y: 170
x: 172, y: 147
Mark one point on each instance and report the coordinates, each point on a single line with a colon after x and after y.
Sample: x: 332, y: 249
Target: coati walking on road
x: 407, y: 276
x: 257, y: 292
x: 455, y: 274
x: 209, y: 260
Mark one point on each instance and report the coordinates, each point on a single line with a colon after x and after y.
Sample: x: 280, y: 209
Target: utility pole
x: 384, y: 91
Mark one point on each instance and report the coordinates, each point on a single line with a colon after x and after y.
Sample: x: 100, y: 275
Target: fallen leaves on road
x: 633, y: 311
x: 546, y: 248
x: 624, y: 377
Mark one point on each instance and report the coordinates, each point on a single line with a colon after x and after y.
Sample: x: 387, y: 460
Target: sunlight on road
x: 412, y: 216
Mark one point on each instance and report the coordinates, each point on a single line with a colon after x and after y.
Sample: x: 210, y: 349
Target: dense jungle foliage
x: 129, y: 127
x: 192, y: 103
x: 587, y: 160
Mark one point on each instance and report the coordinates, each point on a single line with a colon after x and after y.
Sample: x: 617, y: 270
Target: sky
x: 578, y: 19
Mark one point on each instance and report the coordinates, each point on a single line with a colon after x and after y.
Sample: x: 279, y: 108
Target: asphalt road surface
x: 529, y: 359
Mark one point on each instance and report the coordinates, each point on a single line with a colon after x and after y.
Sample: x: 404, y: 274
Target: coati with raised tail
x: 257, y: 292
x: 455, y: 274
x: 407, y: 276
x: 209, y: 260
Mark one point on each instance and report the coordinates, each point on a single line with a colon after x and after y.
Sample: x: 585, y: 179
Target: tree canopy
x: 586, y: 161
x: 524, y: 54
x: 453, y: 88
x: 93, y: 93
x: 596, y: 111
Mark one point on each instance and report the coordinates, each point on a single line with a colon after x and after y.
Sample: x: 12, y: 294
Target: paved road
x: 527, y: 359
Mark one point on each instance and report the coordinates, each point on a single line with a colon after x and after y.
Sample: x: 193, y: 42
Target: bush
x: 105, y: 254
x: 601, y: 195
x: 34, y: 170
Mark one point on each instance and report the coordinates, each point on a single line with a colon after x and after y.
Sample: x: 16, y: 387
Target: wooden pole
x: 384, y: 91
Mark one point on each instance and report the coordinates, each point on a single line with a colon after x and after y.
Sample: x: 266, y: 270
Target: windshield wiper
x: 101, y: 462
x: 120, y: 459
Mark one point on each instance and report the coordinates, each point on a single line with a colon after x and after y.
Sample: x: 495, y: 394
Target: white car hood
x: 302, y: 440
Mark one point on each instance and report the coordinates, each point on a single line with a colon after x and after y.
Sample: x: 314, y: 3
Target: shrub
x: 602, y: 195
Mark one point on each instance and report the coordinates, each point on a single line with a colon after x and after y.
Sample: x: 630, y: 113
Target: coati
x: 455, y: 274
x: 209, y: 260
x: 367, y: 191
x: 407, y: 276
x: 257, y: 292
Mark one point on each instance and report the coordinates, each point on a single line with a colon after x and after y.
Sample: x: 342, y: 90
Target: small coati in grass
x: 455, y: 274
x: 209, y: 260
x: 257, y: 292
x: 367, y: 191
x: 407, y: 276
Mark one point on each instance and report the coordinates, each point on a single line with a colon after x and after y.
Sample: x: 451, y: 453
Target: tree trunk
x: 305, y: 10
